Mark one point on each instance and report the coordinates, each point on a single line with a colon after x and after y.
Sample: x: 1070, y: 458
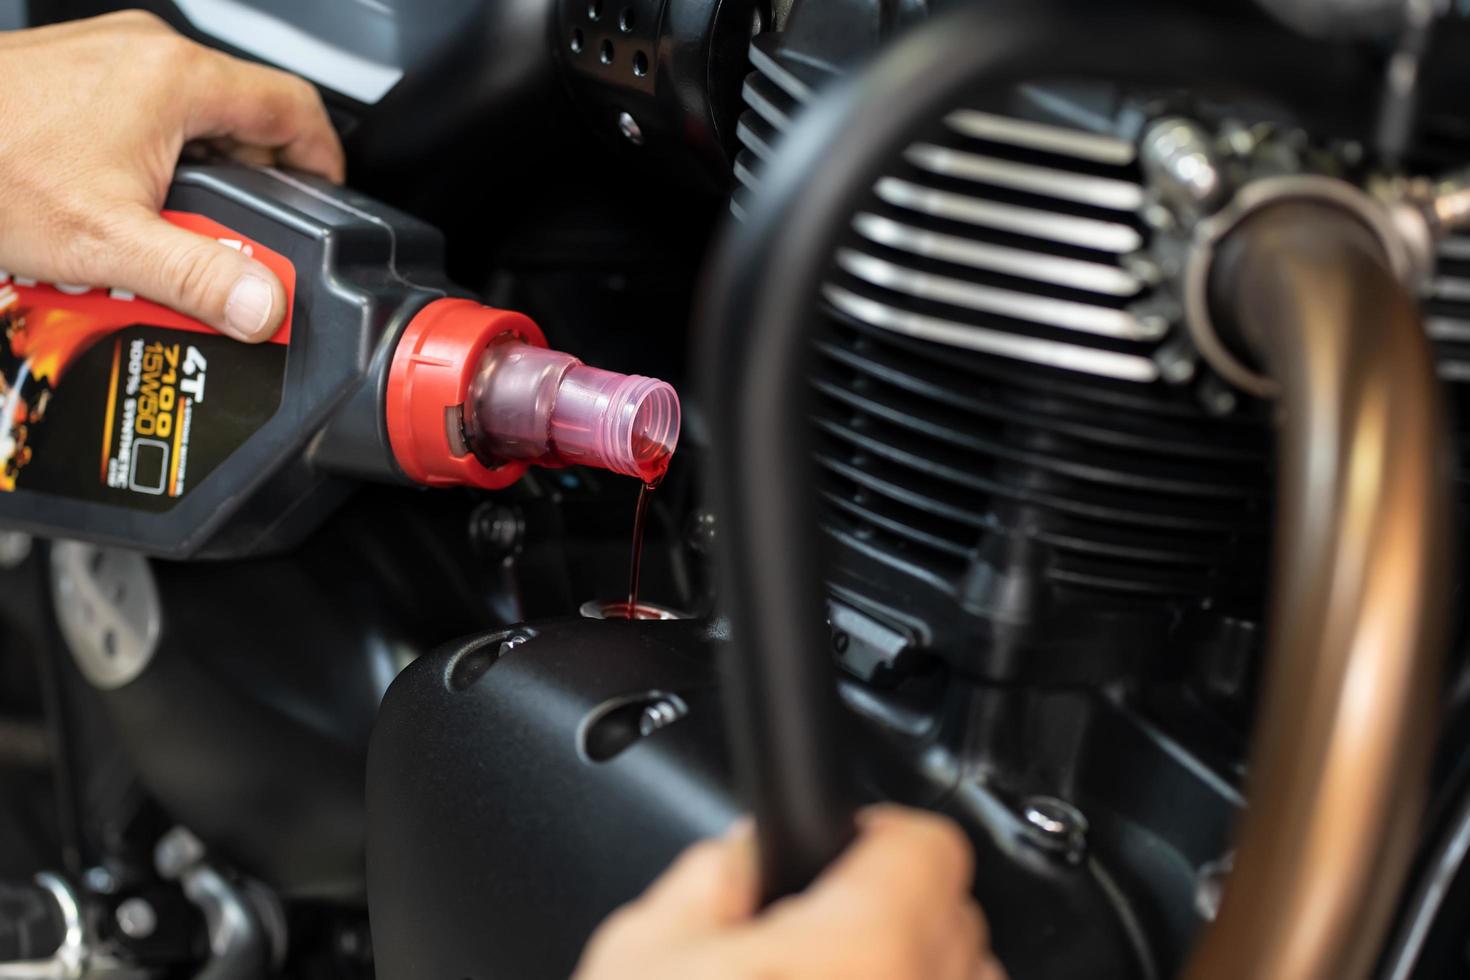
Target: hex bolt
x: 510, y: 643
x: 136, y: 918
x: 630, y: 129
x: 176, y: 852
x: 1055, y: 826
x: 1179, y: 158
x: 99, y: 880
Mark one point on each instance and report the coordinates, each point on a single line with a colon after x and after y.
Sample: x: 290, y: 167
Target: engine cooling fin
x: 1010, y: 433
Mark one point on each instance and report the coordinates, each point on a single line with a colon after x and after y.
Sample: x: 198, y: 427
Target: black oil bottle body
x: 126, y: 425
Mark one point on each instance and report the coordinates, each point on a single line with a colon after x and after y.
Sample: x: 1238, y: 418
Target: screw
x: 630, y: 129
x: 660, y: 714
x: 136, y: 918
x: 176, y: 852
x: 1180, y: 163
x: 1055, y: 826
x: 507, y: 645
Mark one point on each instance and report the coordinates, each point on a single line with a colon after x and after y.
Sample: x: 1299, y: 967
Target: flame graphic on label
x: 47, y: 328
x: 46, y: 342
x: 51, y: 340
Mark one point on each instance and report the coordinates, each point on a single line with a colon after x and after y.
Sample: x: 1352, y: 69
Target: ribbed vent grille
x: 1444, y: 146
x: 935, y: 455
x: 772, y: 94
x: 991, y: 386
x: 1447, y: 309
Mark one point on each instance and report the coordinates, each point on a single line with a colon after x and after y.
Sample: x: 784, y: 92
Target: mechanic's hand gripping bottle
x: 124, y: 422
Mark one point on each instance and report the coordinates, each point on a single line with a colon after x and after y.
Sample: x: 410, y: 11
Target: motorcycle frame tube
x: 760, y: 305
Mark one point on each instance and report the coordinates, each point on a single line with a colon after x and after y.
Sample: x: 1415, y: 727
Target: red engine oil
x: 126, y: 423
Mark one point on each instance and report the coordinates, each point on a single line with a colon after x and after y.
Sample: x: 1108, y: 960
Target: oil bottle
x: 126, y: 423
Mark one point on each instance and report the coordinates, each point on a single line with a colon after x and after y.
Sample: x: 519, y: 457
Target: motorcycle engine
x: 1045, y: 477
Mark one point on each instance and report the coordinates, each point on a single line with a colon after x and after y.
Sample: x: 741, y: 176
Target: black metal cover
x: 513, y: 801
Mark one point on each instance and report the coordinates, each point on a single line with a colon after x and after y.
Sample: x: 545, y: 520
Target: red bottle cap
x: 427, y: 385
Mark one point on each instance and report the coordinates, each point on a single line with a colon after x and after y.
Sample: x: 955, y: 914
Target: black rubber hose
x: 761, y: 305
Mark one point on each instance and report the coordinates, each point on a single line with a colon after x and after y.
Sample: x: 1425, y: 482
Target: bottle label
x: 111, y: 398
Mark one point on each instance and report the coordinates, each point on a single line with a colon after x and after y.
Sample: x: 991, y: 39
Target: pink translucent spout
x: 547, y: 407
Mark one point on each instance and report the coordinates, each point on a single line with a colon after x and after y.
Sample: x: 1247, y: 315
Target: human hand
x: 96, y: 113
x: 895, y: 906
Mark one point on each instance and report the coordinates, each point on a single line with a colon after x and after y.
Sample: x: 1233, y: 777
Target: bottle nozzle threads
x: 519, y: 404
x: 548, y: 408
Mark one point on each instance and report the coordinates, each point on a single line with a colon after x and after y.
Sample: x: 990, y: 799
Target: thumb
x: 196, y: 276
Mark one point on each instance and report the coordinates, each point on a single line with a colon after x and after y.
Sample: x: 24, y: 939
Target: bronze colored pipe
x: 1349, y: 710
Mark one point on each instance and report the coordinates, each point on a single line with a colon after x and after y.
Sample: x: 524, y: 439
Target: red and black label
x: 115, y: 399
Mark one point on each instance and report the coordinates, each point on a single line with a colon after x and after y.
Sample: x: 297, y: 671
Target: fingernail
x: 248, y: 309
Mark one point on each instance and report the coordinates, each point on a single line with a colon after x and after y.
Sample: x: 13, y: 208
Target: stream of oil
x: 635, y: 561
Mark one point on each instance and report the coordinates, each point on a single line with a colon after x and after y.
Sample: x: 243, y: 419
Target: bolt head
x: 630, y: 129
x: 136, y: 918
x: 1052, y: 816
x: 1055, y: 826
x: 660, y: 714
x: 176, y: 852
x: 99, y: 880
